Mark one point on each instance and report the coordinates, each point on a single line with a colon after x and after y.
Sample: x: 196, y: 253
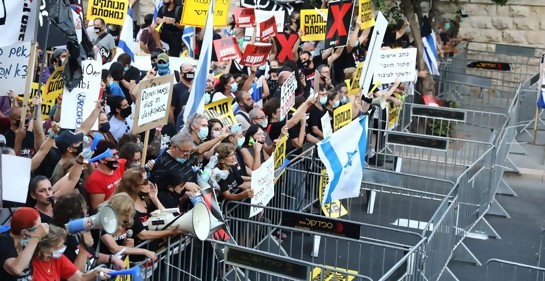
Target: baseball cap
x: 66, y: 139
x: 58, y: 52
x: 23, y: 218
x: 162, y: 57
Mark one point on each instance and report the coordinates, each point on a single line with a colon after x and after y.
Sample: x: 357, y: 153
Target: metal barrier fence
x: 502, y: 270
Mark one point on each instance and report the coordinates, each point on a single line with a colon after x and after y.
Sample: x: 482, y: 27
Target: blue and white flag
x: 158, y: 5
x: 541, y: 85
x: 343, y: 155
x: 195, y: 103
x: 187, y: 38
x: 257, y: 91
x: 430, y: 53
x: 126, y: 41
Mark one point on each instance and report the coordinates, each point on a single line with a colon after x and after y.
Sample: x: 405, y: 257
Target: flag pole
x: 44, y: 51
x: 539, y: 89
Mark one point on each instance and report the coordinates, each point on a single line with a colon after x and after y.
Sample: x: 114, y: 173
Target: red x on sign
x: 339, y: 12
x: 285, y: 45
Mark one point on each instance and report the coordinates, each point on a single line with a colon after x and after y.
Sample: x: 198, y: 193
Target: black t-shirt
x: 241, y: 165
x: 215, y: 36
x: 72, y: 247
x: 132, y: 74
x: 27, y: 150
x: 119, y: 240
x: 166, y: 162
x: 315, y: 118
x: 180, y: 95
x: 274, y: 129
x: 9, y: 251
x: 175, y: 13
x: 231, y: 184
x: 47, y: 166
x: 293, y: 133
x: 345, y: 60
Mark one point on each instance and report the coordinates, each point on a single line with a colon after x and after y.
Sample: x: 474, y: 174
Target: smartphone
x: 235, y: 128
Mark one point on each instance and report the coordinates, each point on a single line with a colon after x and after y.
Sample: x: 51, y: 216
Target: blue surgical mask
x: 206, y: 98
x: 313, y: 53
x: 264, y: 123
x: 240, y: 141
x: 323, y: 100
x: 344, y: 100
x: 163, y: 69
x: 336, y: 103
x: 180, y: 160
x: 447, y: 26
x: 234, y: 87
x: 126, y: 68
x: 203, y: 133
x: 282, y: 118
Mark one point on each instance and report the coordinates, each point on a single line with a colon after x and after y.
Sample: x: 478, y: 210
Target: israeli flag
x: 430, y: 53
x: 257, y: 91
x: 126, y: 41
x: 343, y: 155
x: 158, y: 5
x: 541, y: 86
x: 195, y: 103
x: 187, y: 37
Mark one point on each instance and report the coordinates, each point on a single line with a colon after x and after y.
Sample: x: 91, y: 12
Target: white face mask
x: 215, y: 134
x: 58, y: 253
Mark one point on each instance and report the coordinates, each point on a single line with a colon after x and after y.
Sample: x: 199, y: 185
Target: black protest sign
x: 322, y: 225
x: 490, y: 65
x: 339, y: 17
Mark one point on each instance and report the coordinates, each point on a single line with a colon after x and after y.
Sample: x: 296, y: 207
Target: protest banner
x: 279, y: 156
x: 366, y: 14
x: 18, y: 21
x: 325, y: 273
x: 342, y: 116
x: 255, y: 54
x: 394, y: 112
x: 244, y: 17
x: 334, y: 209
x: 80, y: 102
x: 326, y: 125
x: 373, y: 52
x: 267, y: 29
x: 355, y: 82
x: 287, y: 94
x: 339, y: 17
x: 54, y: 86
x: 194, y: 12
x: 313, y: 24
x: 263, y: 186
x: 260, y: 16
x: 111, y: 11
x: 222, y: 111
x: 14, y: 61
x: 15, y: 178
x: 227, y: 49
x: 395, y: 63
x: 152, y: 103
x: 284, y: 44
x: 46, y: 105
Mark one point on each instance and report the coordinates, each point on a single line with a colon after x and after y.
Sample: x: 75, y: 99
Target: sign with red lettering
x: 267, y: 29
x: 256, y: 54
x: 227, y: 49
x: 244, y: 17
x: 338, y: 23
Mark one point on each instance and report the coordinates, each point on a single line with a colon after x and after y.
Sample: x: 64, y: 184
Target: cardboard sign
x: 280, y: 156
x: 195, y: 11
x: 111, y: 11
x: 244, y: 17
x: 267, y: 29
x: 355, y: 82
x: 342, y: 116
x: 395, y: 63
x: 153, y: 103
x: 339, y: 17
x: 334, y: 209
x: 263, y: 186
x: 326, y: 125
x: 366, y: 14
x: 13, y: 67
x: 284, y: 45
x: 319, y: 274
x: 256, y: 54
x: 373, y: 52
x: 227, y: 49
x: 222, y: 111
x: 287, y: 94
x: 54, y: 86
x: 80, y: 102
x: 313, y: 24
x: 15, y: 178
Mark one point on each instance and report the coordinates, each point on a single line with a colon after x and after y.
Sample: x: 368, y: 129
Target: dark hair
x: 128, y: 150
x: 166, y: 178
x: 115, y: 103
x: 271, y: 106
x: 126, y: 138
x: 220, y: 87
x: 33, y: 184
x: 102, y: 22
x: 102, y: 146
x: 249, y: 133
x: 116, y: 71
x: 69, y: 206
x: 211, y: 124
x: 124, y: 59
x: 105, y: 73
x: 148, y: 20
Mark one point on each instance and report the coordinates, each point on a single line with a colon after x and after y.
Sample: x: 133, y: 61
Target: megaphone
x: 380, y: 101
x: 105, y: 219
x: 96, y: 138
x: 105, y: 154
x: 196, y: 221
x: 134, y: 272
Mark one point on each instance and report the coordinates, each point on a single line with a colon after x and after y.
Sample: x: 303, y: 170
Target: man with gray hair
x: 179, y: 158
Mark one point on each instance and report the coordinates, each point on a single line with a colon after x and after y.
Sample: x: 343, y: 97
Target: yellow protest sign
x: 222, y: 111
x: 313, y: 24
x: 394, y: 112
x: 125, y: 277
x: 327, y: 274
x: 354, y: 88
x: 366, y: 14
x: 46, y: 106
x: 334, y: 209
x: 194, y: 12
x: 342, y: 116
x: 279, y: 156
x: 111, y: 11
x: 54, y: 86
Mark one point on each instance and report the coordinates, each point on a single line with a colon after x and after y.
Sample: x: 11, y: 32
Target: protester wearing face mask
x: 174, y: 191
x: 57, y: 59
x: 178, y: 157
x: 104, y: 42
x: 197, y: 128
x: 121, y: 121
x: 246, y: 104
x: 104, y: 180
x: 19, y: 243
x: 132, y: 152
x: 131, y: 75
x: 163, y: 65
x: 234, y: 187
x: 50, y: 263
x: 317, y: 111
x: 236, y: 138
x: 104, y: 127
x: 180, y: 91
x: 114, y: 78
x: 27, y: 146
x: 253, y: 147
x: 342, y: 90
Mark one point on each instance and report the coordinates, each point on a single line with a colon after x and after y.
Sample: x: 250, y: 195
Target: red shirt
x: 53, y: 269
x: 100, y: 183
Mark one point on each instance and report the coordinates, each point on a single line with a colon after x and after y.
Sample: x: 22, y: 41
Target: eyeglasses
x: 146, y: 182
x: 183, y: 151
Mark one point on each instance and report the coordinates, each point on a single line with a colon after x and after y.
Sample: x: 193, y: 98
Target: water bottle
x: 87, y: 152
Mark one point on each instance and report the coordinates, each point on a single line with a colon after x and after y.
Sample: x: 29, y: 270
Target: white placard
x: 15, y: 178
x: 287, y: 94
x: 78, y: 104
x: 153, y: 104
x: 263, y: 185
x: 261, y: 16
x: 395, y: 63
x: 13, y: 68
x: 18, y: 21
x: 373, y: 54
x: 326, y: 125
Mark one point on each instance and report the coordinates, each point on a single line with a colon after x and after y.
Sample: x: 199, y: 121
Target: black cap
x: 66, y: 139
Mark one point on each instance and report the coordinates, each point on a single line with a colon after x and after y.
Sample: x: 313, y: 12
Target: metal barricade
x: 502, y: 270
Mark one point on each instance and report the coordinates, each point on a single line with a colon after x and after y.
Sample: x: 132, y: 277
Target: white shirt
x: 118, y: 127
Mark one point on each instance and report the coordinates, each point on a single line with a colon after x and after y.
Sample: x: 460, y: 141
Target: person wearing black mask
x: 104, y: 127
x: 174, y: 190
x: 181, y: 91
x: 246, y: 104
x: 103, y: 41
x: 308, y: 68
x: 120, y: 121
x: 70, y: 146
x: 168, y: 19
